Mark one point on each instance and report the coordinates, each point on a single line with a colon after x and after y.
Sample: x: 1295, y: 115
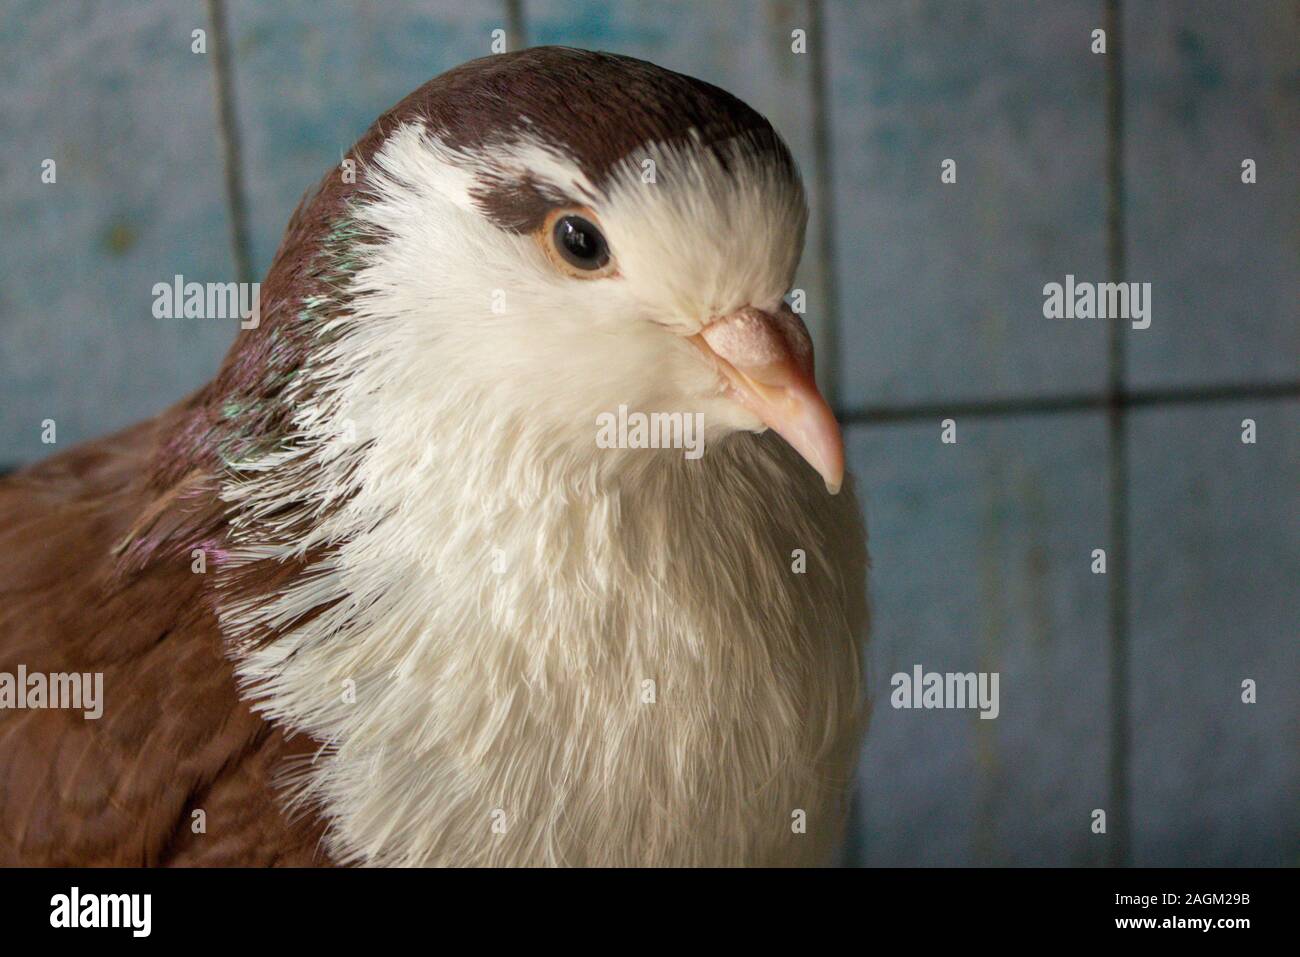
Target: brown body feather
x: 95, y: 576
x: 174, y: 738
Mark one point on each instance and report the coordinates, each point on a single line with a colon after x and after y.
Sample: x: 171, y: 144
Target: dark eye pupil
x: 580, y: 243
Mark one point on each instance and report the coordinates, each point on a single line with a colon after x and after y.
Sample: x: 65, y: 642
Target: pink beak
x: 767, y: 360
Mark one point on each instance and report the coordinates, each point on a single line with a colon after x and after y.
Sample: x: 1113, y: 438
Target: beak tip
x: 767, y: 360
x: 834, y: 479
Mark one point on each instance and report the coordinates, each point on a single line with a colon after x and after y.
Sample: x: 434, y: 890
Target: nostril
x: 751, y: 338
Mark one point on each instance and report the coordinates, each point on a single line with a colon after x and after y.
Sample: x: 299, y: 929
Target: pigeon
x: 515, y: 532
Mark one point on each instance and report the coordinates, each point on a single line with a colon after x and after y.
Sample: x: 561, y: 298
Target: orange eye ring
x: 572, y: 240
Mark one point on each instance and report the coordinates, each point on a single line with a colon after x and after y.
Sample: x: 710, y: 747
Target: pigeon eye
x: 580, y: 243
x: 577, y: 246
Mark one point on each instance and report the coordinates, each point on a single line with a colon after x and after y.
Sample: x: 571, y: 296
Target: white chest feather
x: 663, y: 674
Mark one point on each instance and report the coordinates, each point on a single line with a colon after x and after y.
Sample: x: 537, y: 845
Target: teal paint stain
x: 119, y: 238
x: 594, y: 26
x: 1201, y: 68
x: 1199, y: 76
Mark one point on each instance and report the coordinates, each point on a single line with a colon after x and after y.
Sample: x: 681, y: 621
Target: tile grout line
x: 1119, y: 770
x: 1068, y: 403
x: 228, y: 132
x: 824, y: 171
x: 854, y: 853
x: 516, y: 27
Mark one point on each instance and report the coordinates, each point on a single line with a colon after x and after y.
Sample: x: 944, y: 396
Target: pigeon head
x: 523, y: 245
x: 559, y: 233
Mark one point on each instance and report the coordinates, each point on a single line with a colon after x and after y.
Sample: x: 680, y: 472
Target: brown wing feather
x: 174, y: 737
